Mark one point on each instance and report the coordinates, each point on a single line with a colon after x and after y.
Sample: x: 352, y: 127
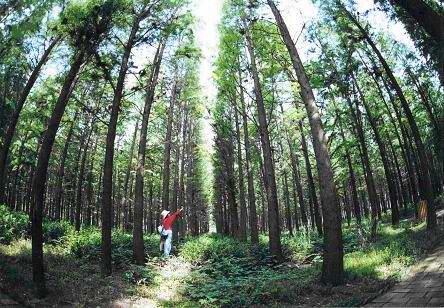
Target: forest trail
x: 165, y: 287
x: 424, y: 286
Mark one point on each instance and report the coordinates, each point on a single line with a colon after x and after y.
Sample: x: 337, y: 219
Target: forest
x: 312, y: 176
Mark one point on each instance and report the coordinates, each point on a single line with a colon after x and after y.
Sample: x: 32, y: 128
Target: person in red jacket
x: 168, y: 220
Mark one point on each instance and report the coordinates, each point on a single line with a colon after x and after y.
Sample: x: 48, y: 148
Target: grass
x: 210, y: 270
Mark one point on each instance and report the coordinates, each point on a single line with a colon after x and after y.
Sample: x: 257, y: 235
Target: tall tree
x: 425, y: 178
x: 87, y: 31
x: 274, y: 231
x: 138, y: 246
x: 4, y: 150
x: 333, y: 264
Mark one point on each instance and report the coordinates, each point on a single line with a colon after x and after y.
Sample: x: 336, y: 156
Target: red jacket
x: 170, y: 219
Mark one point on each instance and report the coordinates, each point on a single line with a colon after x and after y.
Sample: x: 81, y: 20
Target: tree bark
x: 311, y: 185
x: 61, y: 171
x: 242, y: 203
x: 287, y: 204
x: 254, y: 233
x: 274, y: 231
x: 138, y: 245
x: 126, y: 203
x: 368, y: 171
x: 384, y: 157
x: 167, y: 149
x: 7, y: 141
x: 80, y: 182
x: 333, y: 264
x: 297, y: 183
x: 40, y: 176
x: 109, y: 154
x: 424, y: 178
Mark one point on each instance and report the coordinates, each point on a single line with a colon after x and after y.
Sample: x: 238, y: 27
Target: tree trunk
x: 269, y: 172
x: 297, y: 182
x: 333, y: 264
x: 181, y: 197
x: 368, y: 171
x: 7, y: 141
x: 424, y: 178
x: 254, y: 234
x: 40, y: 176
x: 174, y: 205
x: 61, y: 171
x: 126, y: 202
x: 167, y: 150
x: 242, y: 204
x: 138, y: 245
x: 352, y: 176
x: 287, y: 204
x: 311, y: 185
x: 80, y: 181
x: 409, y: 157
x: 109, y: 155
x: 384, y: 156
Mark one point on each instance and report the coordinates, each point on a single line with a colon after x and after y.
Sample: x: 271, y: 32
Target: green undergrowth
x: 226, y: 272
x: 390, y: 254
x: 232, y: 273
x: 15, y: 225
x: 85, y: 244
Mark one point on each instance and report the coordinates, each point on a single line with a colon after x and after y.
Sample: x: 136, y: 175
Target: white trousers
x: 168, y: 243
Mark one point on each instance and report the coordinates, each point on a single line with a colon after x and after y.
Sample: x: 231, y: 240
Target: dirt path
x: 165, y: 287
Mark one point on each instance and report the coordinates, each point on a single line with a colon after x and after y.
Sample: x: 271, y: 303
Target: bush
x: 233, y: 273
x: 212, y: 246
x: 56, y: 231
x: 302, y: 244
x: 13, y: 225
x: 87, y: 244
x: 395, y: 249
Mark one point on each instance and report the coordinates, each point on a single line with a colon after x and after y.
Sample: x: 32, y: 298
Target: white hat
x: 164, y: 213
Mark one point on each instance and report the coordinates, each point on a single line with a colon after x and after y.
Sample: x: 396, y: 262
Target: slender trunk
x: 333, y: 264
x: 167, y: 150
x: 109, y: 155
x: 311, y: 185
x: 7, y: 141
x: 424, y: 178
x: 274, y: 231
x: 242, y: 204
x: 80, y: 182
x: 384, y: 156
x: 287, y: 204
x: 40, y: 176
x: 254, y: 234
x: 411, y: 188
x: 411, y: 162
x: 181, y: 197
x: 126, y: 202
x: 138, y: 245
x: 90, y: 187
x: 61, y: 171
x: 174, y: 204
x: 352, y: 176
x: 297, y: 182
x: 368, y: 171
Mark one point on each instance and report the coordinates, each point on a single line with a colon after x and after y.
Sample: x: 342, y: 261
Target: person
x: 166, y: 234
